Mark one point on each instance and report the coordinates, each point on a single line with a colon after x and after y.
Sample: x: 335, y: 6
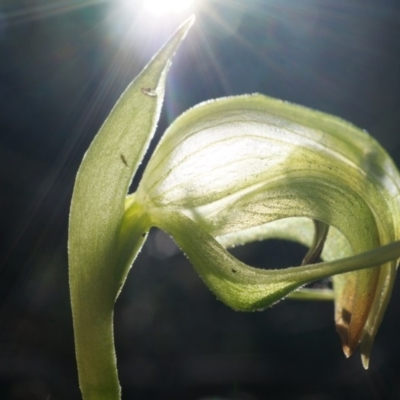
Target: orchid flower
x: 227, y: 172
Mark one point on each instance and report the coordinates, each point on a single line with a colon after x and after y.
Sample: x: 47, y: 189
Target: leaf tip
x: 365, y: 361
x: 191, y: 20
x: 347, y: 350
x: 366, y: 348
x: 186, y: 25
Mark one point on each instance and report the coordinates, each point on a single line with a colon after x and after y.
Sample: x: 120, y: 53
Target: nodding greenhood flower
x: 228, y: 172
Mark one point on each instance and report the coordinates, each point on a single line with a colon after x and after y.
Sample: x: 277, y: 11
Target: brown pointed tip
x: 342, y: 329
x: 350, y: 340
x: 347, y: 351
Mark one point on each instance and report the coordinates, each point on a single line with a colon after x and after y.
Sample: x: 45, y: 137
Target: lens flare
x: 167, y: 7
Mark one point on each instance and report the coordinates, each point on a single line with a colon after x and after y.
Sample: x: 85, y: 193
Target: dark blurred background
x: 63, y: 64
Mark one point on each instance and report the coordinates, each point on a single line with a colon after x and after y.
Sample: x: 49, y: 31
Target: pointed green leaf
x: 97, y: 211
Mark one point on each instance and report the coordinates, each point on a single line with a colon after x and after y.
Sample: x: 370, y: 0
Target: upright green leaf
x: 97, y: 211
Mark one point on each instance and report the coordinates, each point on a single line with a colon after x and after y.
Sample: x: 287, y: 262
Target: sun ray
x: 40, y: 11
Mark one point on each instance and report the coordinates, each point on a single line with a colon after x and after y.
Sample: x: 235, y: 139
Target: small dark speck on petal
x: 124, y: 160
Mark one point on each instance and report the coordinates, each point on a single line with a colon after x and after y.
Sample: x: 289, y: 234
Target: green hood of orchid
x: 227, y: 172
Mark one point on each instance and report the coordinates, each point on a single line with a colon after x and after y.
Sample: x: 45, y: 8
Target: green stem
x: 312, y: 294
x: 94, y: 344
x: 93, y: 306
